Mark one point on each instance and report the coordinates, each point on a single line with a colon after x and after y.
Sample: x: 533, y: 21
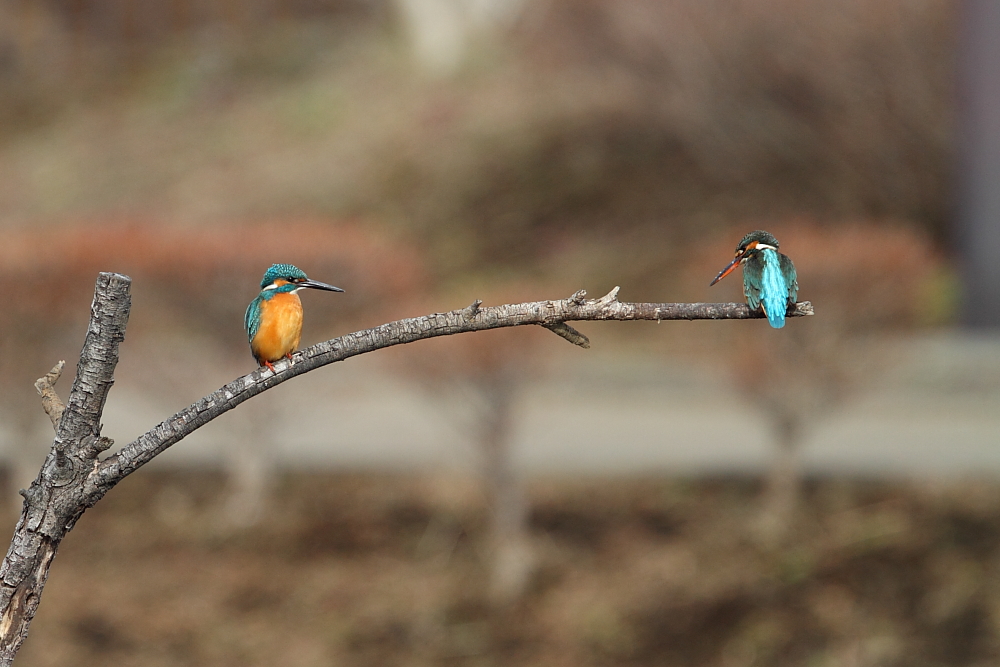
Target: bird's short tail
x: 775, y: 316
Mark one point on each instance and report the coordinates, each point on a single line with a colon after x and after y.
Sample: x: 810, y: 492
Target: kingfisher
x: 274, y: 319
x: 769, y: 279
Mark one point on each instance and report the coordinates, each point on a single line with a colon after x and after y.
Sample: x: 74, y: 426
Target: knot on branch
x: 60, y: 471
x: 578, y: 297
x: 33, y: 495
x: 93, y: 445
x: 471, y: 310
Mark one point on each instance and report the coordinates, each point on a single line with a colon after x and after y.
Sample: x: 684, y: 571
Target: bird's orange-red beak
x: 726, y: 271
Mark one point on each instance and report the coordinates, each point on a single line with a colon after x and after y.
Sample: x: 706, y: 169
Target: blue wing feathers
x: 252, y: 319
x: 753, y: 277
x: 788, y: 271
x: 775, y: 291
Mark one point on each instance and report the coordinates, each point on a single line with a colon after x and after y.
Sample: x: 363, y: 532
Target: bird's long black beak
x: 315, y: 284
x: 726, y: 271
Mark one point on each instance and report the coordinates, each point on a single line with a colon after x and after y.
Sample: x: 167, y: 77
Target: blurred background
x: 684, y: 493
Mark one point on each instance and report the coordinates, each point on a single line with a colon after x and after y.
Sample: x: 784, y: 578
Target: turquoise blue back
x: 774, y: 290
x: 769, y: 280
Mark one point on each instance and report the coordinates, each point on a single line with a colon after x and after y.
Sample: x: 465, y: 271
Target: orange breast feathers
x: 280, y: 327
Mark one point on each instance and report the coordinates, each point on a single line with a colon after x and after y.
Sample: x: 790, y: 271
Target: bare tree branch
x: 73, y: 478
x: 472, y: 318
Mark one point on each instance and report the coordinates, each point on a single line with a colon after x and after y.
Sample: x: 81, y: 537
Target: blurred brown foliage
x: 601, y: 129
x: 634, y: 128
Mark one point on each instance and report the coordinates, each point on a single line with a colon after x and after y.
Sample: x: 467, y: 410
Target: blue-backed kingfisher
x: 769, y: 279
x: 274, y: 319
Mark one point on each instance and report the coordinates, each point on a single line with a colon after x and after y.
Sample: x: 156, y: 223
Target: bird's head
x: 751, y: 245
x: 287, y: 278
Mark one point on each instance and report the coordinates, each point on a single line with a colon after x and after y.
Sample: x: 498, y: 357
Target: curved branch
x: 551, y: 314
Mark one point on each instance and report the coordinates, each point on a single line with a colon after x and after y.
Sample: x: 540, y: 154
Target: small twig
x: 609, y: 298
x: 51, y: 402
x: 569, y: 333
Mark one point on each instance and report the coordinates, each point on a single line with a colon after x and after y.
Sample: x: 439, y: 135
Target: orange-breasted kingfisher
x: 274, y: 319
x: 769, y: 279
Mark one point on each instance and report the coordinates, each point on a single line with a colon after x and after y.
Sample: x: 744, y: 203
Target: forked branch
x: 73, y: 478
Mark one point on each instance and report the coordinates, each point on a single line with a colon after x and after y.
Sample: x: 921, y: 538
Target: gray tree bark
x: 73, y: 477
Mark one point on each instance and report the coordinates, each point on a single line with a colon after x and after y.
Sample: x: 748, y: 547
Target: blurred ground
x: 388, y: 570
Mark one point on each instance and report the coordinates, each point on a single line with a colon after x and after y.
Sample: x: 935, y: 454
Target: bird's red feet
x: 268, y: 364
x: 288, y: 355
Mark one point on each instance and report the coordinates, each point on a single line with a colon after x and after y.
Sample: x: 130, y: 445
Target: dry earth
x: 388, y: 570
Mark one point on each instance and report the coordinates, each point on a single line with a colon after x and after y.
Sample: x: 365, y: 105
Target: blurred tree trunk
x: 783, y: 481
x: 978, y: 205
x: 510, y: 549
x: 250, y: 473
x: 249, y: 479
x: 441, y: 30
